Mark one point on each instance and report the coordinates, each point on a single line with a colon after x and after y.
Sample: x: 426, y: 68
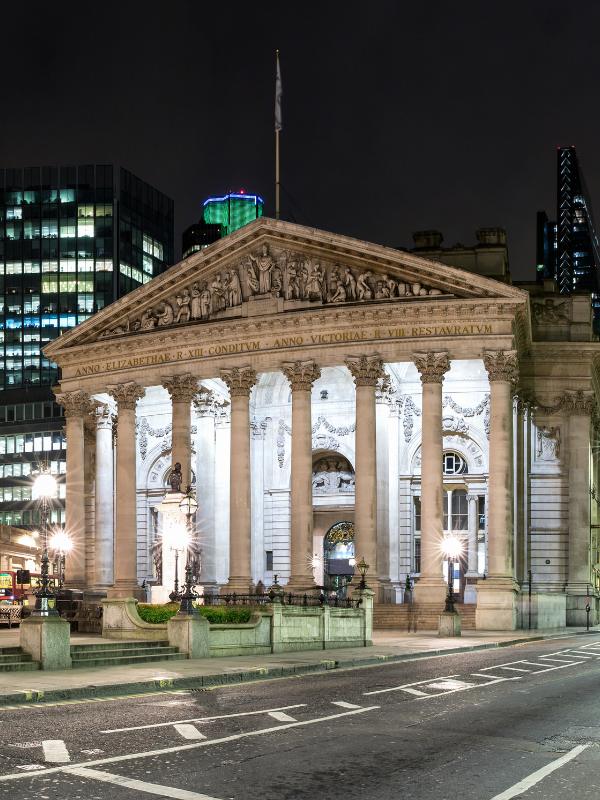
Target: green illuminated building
x: 221, y: 216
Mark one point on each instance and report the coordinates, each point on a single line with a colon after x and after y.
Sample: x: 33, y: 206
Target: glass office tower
x: 568, y: 249
x: 72, y: 240
x: 221, y: 216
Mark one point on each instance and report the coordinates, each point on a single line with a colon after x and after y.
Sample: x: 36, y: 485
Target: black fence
x: 284, y: 598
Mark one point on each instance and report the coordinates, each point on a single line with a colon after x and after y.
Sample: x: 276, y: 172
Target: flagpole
x: 277, y: 151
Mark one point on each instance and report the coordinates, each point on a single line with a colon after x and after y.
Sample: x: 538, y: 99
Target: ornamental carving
x: 144, y: 430
x: 548, y: 443
x: 366, y: 370
x: 501, y: 365
x: 239, y: 380
x: 321, y: 439
x: 207, y: 403
x: 547, y: 311
x: 432, y: 366
x: 301, y: 374
x: 126, y: 394
x: 75, y: 404
x: 104, y: 416
x: 295, y: 279
x: 577, y: 402
x: 333, y: 476
x: 182, y: 388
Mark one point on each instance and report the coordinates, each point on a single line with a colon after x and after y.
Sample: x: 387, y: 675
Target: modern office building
x: 72, y: 240
x: 221, y: 216
x: 568, y: 249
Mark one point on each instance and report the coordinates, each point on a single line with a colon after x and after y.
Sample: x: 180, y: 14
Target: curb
x: 200, y: 682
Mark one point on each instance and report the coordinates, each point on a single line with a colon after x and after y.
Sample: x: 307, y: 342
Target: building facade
x: 220, y: 217
x: 72, y: 240
x: 334, y: 400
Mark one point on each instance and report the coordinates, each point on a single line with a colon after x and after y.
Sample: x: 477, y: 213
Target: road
x: 491, y: 725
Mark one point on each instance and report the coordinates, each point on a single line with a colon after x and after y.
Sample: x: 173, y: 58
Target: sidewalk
x: 28, y: 687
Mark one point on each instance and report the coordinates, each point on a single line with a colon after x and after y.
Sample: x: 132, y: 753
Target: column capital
x: 206, y: 402
x: 239, y: 380
x: 577, y: 402
x: 182, y: 388
x: 104, y: 416
x: 432, y: 366
x: 126, y: 394
x: 385, y: 391
x: 501, y: 365
x: 366, y: 370
x: 75, y: 404
x: 301, y: 374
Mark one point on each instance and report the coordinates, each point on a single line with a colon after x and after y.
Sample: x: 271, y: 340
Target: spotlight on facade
x: 44, y: 487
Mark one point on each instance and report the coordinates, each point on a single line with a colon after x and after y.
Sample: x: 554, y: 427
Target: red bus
x: 11, y: 590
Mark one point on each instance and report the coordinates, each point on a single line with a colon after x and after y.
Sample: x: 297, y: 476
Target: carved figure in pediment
x: 264, y: 264
x: 204, y: 301
x: 334, y: 279
x: 381, y: 290
x: 418, y: 290
x: 337, y: 293
x: 303, y: 279
x: 253, y: 283
x: 234, y: 288
x: 292, y: 289
x: 166, y: 316
x: 363, y: 289
x: 148, y: 320
x: 183, y: 301
x: 314, y: 283
x: 276, y: 281
x: 548, y: 443
x: 391, y: 285
x: 217, y: 295
x: 195, y: 304
x: 350, y: 284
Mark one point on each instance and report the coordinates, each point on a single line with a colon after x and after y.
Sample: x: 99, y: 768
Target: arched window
x: 453, y: 464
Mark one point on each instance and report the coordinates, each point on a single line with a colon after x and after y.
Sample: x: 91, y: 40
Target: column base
x: 300, y: 584
x: 497, y: 605
x: 431, y: 591
x: 126, y: 589
x: 241, y: 585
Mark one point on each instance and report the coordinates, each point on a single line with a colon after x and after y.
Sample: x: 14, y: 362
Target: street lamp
x: 363, y: 568
x: 188, y: 506
x: 60, y: 542
x: 179, y: 540
x: 44, y: 490
x: 451, y: 548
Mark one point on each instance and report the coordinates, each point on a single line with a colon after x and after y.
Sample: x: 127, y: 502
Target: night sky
x: 397, y: 116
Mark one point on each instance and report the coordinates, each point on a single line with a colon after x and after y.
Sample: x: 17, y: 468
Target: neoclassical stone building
x: 332, y: 399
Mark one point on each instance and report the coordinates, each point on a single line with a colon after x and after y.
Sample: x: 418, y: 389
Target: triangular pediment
x: 272, y: 266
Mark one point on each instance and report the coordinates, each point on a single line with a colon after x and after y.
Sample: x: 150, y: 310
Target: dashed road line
x: 535, y: 777
x: 140, y: 786
x: 406, y: 685
x: 281, y: 716
x: 188, y: 731
x: 55, y: 751
x: 344, y: 704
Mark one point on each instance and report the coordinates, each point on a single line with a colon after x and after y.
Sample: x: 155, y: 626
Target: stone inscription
x: 283, y: 342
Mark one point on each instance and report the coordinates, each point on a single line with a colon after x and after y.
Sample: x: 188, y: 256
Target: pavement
x: 47, y: 686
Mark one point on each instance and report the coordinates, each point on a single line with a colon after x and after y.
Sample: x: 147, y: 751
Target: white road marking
x: 535, y: 777
x: 416, y: 692
x: 196, y: 745
x: 204, y: 719
x: 519, y: 669
x: 448, y: 686
x: 188, y: 731
x: 560, y: 660
x: 55, y: 751
x: 140, y: 786
x: 495, y: 678
x: 281, y: 716
x: 30, y: 767
x: 405, y: 685
x: 344, y: 704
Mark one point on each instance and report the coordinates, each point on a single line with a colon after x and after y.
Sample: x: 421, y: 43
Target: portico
x: 335, y: 391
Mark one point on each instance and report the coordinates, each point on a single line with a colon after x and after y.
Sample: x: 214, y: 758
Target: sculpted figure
x: 264, y: 264
x: 234, y: 289
x: 175, y: 478
x: 292, y: 291
x: 195, y: 306
x: 403, y: 289
x: 217, y: 295
x: 314, y: 284
x: 363, y: 290
x: 183, y: 301
x: 302, y: 280
x: 548, y: 443
x: 276, y: 282
x: 166, y: 316
x: 350, y: 284
x: 338, y: 293
x: 253, y: 284
x: 391, y: 284
x: 204, y: 302
x: 148, y: 320
x: 381, y: 290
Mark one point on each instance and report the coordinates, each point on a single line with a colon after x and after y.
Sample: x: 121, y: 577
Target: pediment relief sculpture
x: 333, y: 476
x: 296, y: 279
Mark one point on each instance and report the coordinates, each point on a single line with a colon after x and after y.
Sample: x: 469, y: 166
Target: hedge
x: 158, y: 614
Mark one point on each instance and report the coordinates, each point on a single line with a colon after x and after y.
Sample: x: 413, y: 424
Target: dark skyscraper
x: 72, y: 240
x: 568, y: 249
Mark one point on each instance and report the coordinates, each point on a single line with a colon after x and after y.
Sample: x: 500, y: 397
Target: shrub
x: 159, y: 614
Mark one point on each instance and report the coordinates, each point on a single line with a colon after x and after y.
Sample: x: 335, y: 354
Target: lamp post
x: 363, y: 568
x: 452, y: 548
x: 43, y: 490
x: 61, y: 544
x: 188, y: 506
x: 179, y: 540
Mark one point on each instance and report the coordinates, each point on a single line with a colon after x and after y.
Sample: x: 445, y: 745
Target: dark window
x: 269, y: 560
x: 417, y: 567
x: 417, y: 506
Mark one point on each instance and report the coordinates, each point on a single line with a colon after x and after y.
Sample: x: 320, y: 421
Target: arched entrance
x: 338, y: 557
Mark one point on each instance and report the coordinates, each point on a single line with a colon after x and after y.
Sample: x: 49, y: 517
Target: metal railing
x: 285, y: 598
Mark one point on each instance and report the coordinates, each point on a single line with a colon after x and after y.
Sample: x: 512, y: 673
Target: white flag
x: 278, y: 93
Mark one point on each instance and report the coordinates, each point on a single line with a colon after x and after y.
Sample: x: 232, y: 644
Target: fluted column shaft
x: 125, y: 572
x: 182, y: 389
x: 367, y: 371
x: 301, y: 375
x: 472, y: 500
x: 205, y: 405
x: 104, y: 495
x: 76, y: 406
x: 239, y: 382
x: 431, y: 587
x: 579, y: 407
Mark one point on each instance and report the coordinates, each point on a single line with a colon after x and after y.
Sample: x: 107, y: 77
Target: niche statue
x: 175, y: 478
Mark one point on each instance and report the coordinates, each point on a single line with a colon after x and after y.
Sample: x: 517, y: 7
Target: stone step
x: 117, y: 661
x: 390, y: 617
x: 121, y: 652
x: 20, y: 666
x: 12, y: 658
x: 110, y: 644
x: 9, y: 651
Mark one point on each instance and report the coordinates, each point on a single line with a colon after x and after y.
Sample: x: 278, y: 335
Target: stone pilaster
x: 431, y: 587
x: 470, y: 592
x: 301, y: 375
x: 125, y: 572
x: 366, y: 371
x: 497, y: 596
x: 77, y: 406
x: 182, y: 389
x: 239, y: 381
x: 205, y: 408
x: 104, y: 494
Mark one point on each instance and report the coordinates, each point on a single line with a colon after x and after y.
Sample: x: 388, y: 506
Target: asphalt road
x: 514, y: 722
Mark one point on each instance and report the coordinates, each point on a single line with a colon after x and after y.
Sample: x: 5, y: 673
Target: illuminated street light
x: 61, y: 544
x: 44, y: 490
x: 452, y: 548
x: 178, y: 539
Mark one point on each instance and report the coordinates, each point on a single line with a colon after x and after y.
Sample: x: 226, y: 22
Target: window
x: 417, y: 556
x: 417, y: 512
x: 456, y: 510
x: 481, y: 513
x: 269, y: 560
x: 453, y: 464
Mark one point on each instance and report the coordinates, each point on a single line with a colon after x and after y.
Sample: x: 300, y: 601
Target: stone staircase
x: 13, y: 659
x: 397, y: 617
x: 116, y: 653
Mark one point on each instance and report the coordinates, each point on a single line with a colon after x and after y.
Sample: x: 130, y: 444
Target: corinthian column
x: 301, y: 375
x: 497, y: 597
x: 126, y: 582
x: 205, y: 405
x: 366, y: 371
x: 182, y: 389
x: 77, y: 406
x: 240, y: 381
x: 431, y: 587
x: 104, y: 511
